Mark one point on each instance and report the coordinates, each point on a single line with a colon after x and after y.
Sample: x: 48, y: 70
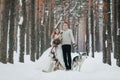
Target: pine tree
x: 92, y: 26
x: 108, y: 33
x: 1, y: 10
x: 114, y: 26
x: 97, y: 36
x: 87, y: 28
x: 11, y: 31
x: 16, y: 23
x: 0, y: 25
x: 22, y: 32
x: 4, y: 31
x: 38, y: 20
x: 104, y: 31
x: 32, y: 18
x: 28, y: 25
x: 118, y: 34
x: 37, y: 27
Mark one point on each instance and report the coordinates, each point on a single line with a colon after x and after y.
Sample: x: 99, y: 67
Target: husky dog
x: 78, y: 60
x: 54, y: 64
x: 57, y: 66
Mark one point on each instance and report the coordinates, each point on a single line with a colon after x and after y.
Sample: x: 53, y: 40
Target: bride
x: 53, y: 54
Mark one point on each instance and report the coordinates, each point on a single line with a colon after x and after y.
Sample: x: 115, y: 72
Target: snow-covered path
x: 92, y: 69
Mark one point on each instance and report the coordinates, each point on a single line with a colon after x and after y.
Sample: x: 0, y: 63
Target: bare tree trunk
x: 92, y: 26
x: 4, y: 31
x: 17, y: 6
x: 32, y: 56
x: 38, y: 22
x: 11, y: 31
x: 42, y: 38
x: 87, y: 29
x: 118, y: 34
x: 41, y: 14
x: 42, y: 29
x: 37, y: 3
x: 104, y: 31
x: 22, y: 32
x: 108, y: 33
x: 114, y: 27
x: 50, y: 22
x: 46, y: 13
x: 97, y: 36
x: 47, y: 26
x: 28, y: 27
x: 0, y: 12
x: 118, y: 47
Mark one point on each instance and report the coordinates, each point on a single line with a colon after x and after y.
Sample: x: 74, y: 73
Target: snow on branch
x: 58, y: 22
x: 21, y: 20
x: 60, y: 19
x: 73, y: 7
x: 20, y: 2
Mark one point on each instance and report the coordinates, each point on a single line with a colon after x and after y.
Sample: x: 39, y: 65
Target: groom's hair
x: 66, y: 23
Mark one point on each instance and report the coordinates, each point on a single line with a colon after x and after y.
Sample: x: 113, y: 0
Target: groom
x: 67, y: 40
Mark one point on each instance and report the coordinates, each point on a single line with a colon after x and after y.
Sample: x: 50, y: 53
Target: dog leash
x: 78, y: 52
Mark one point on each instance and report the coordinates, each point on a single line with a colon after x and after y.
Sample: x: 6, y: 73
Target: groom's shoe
x: 68, y: 69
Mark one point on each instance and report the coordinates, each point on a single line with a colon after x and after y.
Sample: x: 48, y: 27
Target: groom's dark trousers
x: 67, y: 56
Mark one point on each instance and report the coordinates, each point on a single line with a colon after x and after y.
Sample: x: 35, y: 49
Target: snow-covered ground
x: 92, y: 69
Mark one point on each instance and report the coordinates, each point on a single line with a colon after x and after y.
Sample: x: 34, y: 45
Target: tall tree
x: 104, y: 30
x: 32, y: 18
x: 11, y: 31
x: 16, y: 23
x: 97, y: 36
x: 108, y: 12
x: 87, y: 28
x: 92, y: 26
x: 1, y: 5
x: 42, y: 47
x: 0, y: 22
x: 118, y: 34
x: 47, y: 25
x: 37, y: 9
x: 114, y: 8
x: 22, y: 32
x: 28, y: 25
x: 39, y: 14
x: 4, y: 31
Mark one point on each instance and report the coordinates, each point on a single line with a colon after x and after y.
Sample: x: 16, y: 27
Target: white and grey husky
x: 77, y: 60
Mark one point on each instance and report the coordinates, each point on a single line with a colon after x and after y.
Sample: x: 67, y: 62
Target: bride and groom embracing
x: 60, y: 51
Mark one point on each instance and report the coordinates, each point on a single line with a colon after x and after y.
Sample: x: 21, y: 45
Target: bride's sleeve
x: 51, y: 43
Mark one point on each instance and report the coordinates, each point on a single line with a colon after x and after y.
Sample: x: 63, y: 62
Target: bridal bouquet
x: 56, y: 41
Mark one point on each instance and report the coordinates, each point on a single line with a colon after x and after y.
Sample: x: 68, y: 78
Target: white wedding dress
x: 46, y: 60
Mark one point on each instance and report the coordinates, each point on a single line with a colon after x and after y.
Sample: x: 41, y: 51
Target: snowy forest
x: 26, y: 27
